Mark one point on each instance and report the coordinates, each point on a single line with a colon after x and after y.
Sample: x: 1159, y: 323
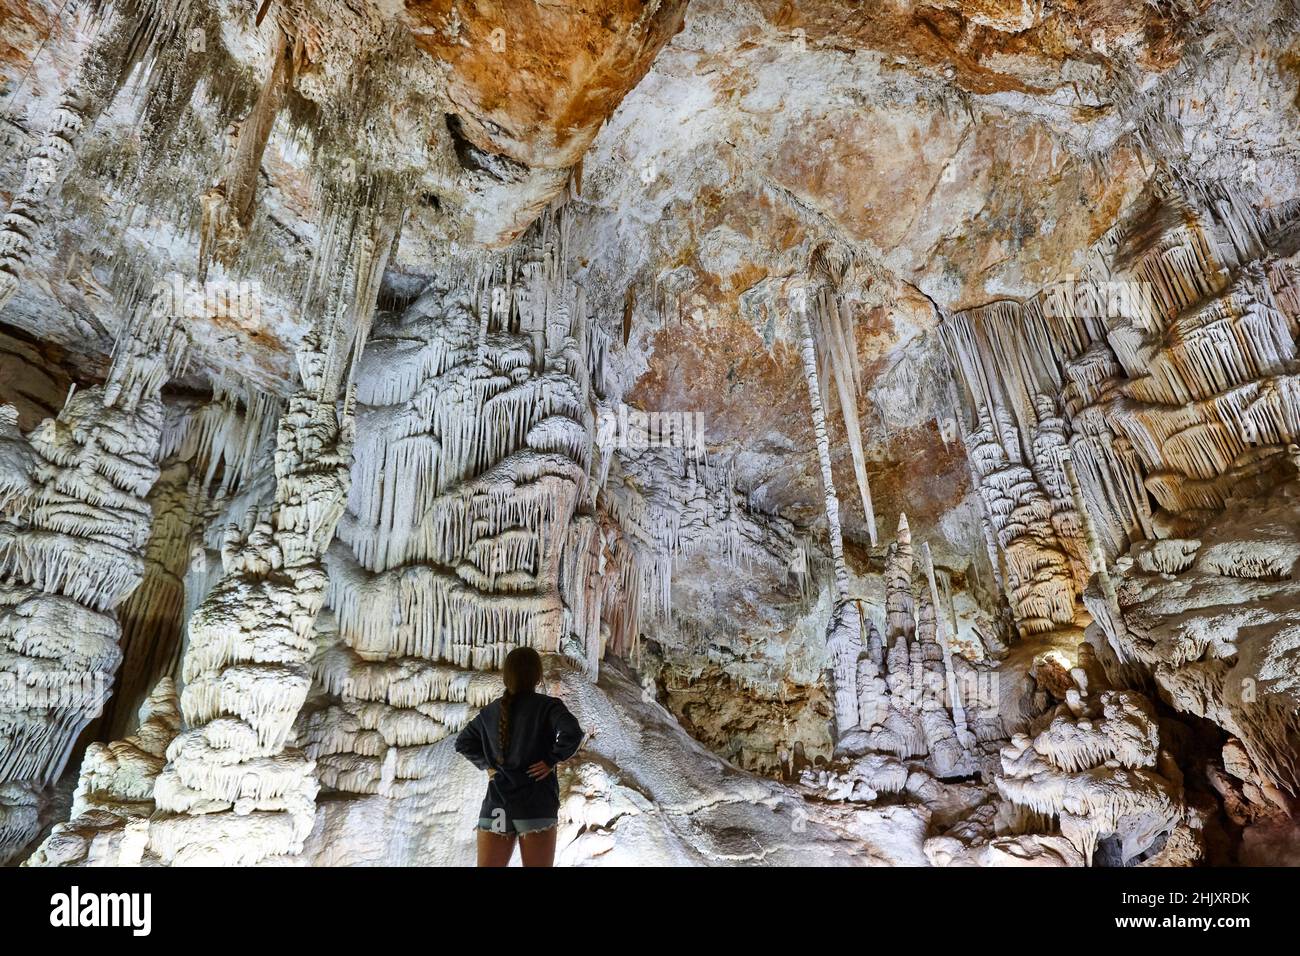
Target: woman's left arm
x: 567, y: 731
x: 567, y: 737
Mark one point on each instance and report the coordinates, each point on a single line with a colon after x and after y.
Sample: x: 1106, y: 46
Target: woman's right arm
x: 471, y: 745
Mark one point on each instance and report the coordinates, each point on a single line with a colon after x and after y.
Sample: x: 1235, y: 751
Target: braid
x: 521, y: 672
x: 503, y: 730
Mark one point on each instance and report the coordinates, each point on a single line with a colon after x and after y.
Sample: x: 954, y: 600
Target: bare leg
x: 495, y: 849
x: 538, y: 849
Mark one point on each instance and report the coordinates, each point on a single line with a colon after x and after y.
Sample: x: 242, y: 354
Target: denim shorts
x: 509, y: 827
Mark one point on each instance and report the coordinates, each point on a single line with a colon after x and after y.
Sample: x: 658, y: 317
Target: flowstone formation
x: 474, y: 450
x: 1213, y: 619
x: 1172, y: 359
x: 1099, y: 772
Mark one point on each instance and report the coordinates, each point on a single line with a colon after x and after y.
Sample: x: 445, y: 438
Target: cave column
x: 234, y: 793
x: 843, y: 637
x: 70, y: 553
x: 463, y: 539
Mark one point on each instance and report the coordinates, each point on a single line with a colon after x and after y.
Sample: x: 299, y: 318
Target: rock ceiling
x: 964, y: 152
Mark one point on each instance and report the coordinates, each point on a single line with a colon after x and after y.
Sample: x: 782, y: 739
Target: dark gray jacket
x: 541, y: 728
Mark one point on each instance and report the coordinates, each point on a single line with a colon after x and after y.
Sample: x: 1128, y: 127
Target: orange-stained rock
x: 534, y: 81
x: 985, y: 46
x: 24, y: 26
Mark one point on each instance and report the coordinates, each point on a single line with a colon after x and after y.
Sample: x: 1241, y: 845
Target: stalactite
x: 808, y: 351
x: 1096, y: 556
x: 229, y: 206
x: 832, y: 328
x: 843, y: 636
x: 17, y: 464
x: 1211, y: 620
x: 1040, y: 579
x: 128, y: 34
x: 665, y: 520
x: 1171, y: 353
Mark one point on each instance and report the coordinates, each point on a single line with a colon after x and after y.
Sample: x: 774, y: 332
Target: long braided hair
x: 521, y: 672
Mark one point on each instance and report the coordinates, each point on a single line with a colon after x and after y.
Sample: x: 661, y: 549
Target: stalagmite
x: 899, y: 609
x: 900, y: 731
x: 114, y: 795
x: 932, y: 689
x: 844, y: 643
x: 873, y: 691
x: 911, y: 703
x: 953, y: 694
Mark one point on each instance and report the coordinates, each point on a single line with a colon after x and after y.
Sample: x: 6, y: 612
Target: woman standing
x: 518, y: 739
